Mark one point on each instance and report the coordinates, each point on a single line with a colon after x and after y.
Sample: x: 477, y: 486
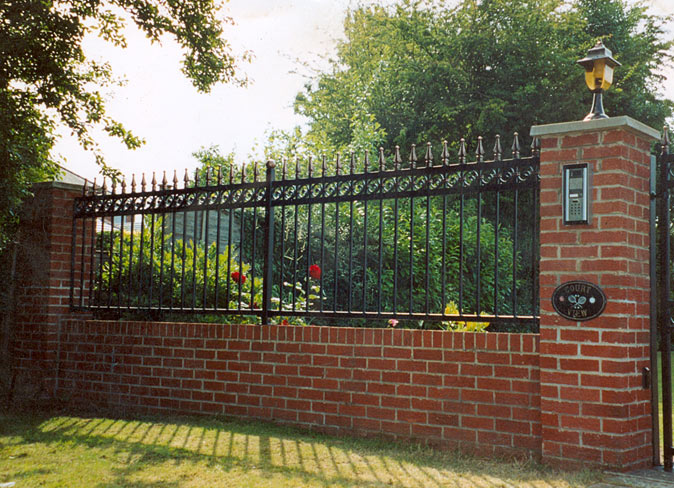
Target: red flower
x: 315, y: 271
x: 285, y: 322
x: 238, y: 277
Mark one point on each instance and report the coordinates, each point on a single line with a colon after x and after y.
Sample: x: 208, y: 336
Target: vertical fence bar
x: 82, y: 257
x: 283, y: 241
x: 92, y: 257
x: 364, y: 283
x: 428, y: 245
x: 664, y: 219
x: 396, y: 185
x: 496, y: 246
x: 205, y: 231
x: 243, y: 231
x: 462, y: 182
x: 218, y: 235
x: 352, y: 191
x: 230, y: 225
x: 121, y: 256
x: 110, y: 260
x: 141, y: 260
x: 130, y: 274
x: 653, y: 263
x: 322, y: 260
x: 254, y: 245
x: 381, y: 244
x: 515, y: 247
x: 73, y: 244
x: 308, y: 263
x: 268, y: 244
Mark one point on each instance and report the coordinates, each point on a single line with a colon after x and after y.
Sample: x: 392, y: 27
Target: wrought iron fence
x: 448, y: 241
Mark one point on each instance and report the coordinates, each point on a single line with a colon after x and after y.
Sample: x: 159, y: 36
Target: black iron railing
x: 430, y: 241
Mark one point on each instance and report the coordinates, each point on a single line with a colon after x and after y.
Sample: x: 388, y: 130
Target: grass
x: 39, y: 449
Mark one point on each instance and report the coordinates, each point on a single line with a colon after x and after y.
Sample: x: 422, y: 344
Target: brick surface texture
x: 469, y: 390
x: 593, y: 406
x: 43, y: 288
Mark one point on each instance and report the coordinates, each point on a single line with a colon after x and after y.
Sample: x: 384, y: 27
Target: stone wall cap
x: 622, y: 121
x: 59, y: 185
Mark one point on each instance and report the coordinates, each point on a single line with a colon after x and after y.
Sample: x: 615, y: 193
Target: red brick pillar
x: 42, y: 297
x: 594, y: 409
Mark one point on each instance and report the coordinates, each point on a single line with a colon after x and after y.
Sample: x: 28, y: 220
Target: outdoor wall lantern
x: 598, y: 65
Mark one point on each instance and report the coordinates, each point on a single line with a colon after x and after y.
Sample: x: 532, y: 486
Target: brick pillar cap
x: 595, y: 125
x: 59, y: 185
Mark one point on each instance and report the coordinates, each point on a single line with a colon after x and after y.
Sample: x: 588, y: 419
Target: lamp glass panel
x: 608, y: 77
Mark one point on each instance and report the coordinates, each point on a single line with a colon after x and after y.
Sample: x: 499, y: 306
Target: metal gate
x: 662, y: 302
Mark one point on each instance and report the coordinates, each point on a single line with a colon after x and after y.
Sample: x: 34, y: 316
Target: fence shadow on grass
x: 143, y: 447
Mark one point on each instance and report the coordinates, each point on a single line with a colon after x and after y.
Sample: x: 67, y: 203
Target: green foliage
x: 421, y: 71
x: 174, y: 273
x: 47, y: 82
x: 150, y: 269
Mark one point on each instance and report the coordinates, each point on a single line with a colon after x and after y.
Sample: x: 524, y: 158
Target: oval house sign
x: 579, y: 300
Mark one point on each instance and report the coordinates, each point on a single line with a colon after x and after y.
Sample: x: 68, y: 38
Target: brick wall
x: 43, y: 287
x: 594, y: 408
x: 468, y: 390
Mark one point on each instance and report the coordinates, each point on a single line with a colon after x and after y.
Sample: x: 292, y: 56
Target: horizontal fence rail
x: 447, y: 243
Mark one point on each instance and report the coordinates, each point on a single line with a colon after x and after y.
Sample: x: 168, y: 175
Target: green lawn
x: 65, y: 451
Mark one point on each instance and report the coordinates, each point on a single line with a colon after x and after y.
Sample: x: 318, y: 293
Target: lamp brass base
x: 597, y: 111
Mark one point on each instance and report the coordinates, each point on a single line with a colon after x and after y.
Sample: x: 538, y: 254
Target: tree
x: 46, y: 79
x: 425, y: 72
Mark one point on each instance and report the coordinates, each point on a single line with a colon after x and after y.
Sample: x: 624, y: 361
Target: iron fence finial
x: 133, y: 183
x: 154, y: 181
x: 397, y: 159
x: 309, y: 166
x: 337, y: 163
x: 175, y: 178
x: 164, y: 181
x: 498, y: 151
x: 105, y: 186
x: 366, y: 162
x: 186, y: 179
x: 413, y: 156
x: 143, y: 183
x: 445, y: 153
x: 123, y: 185
x: 93, y: 190
x: 352, y: 162
x: 479, y: 151
x: 428, y: 158
x: 382, y: 160
x: 516, y: 146
x: 323, y: 166
x: 462, y: 151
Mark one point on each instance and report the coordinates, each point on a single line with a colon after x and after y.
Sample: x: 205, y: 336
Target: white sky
x: 160, y: 105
